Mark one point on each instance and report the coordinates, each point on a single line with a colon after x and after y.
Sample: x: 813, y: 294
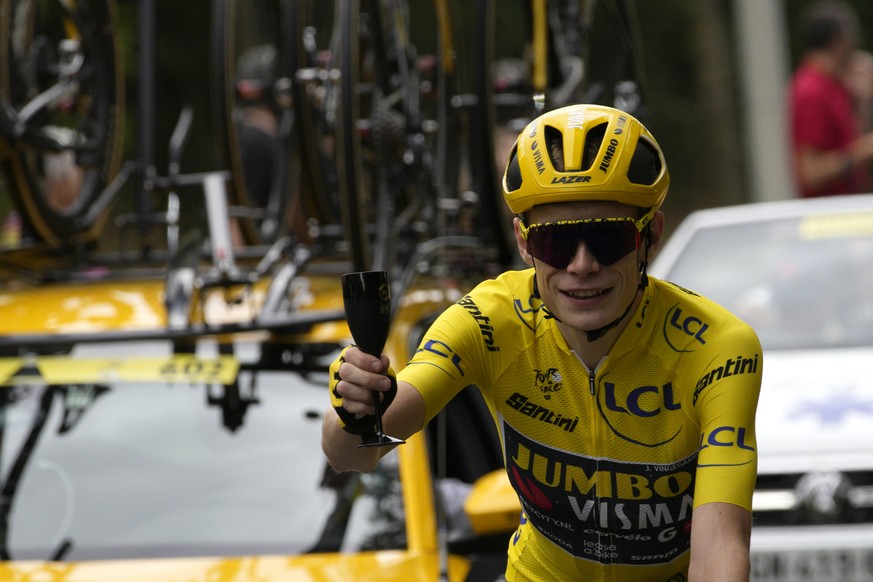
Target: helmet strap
x: 536, y: 294
x: 595, y: 334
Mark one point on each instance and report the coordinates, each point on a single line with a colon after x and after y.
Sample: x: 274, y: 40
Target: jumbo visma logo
x: 602, y: 509
x: 527, y: 314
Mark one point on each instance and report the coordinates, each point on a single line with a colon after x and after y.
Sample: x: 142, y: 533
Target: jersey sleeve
x: 726, y: 398
x: 446, y: 360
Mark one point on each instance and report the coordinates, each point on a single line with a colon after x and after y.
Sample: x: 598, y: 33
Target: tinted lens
x: 556, y: 244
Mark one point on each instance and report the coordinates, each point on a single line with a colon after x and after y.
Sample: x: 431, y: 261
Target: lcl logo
x: 618, y: 406
x: 678, y: 328
x: 632, y: 403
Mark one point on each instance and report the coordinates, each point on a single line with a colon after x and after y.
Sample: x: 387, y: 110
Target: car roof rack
x: 295, y: 323
x: 191, y: 268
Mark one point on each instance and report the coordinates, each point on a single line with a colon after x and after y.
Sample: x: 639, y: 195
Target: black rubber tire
x: 56, y: 184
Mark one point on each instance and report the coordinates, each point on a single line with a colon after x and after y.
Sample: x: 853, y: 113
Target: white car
x: 801, y: 273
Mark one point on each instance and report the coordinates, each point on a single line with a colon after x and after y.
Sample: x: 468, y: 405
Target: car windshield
x: 799, y: 282
x: 179, y: 467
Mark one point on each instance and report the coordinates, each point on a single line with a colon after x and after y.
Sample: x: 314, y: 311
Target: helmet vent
x: 593, y: 140
x: 555, y: 144
x: 645, y: 166
x: 513, y: 172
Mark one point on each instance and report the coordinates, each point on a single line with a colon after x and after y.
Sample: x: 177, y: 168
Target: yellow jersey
x: 608, y: 463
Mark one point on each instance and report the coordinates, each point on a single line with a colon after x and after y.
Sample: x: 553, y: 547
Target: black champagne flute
x: 367, y: 302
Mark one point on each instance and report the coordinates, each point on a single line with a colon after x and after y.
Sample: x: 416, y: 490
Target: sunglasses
x: 608, y: 239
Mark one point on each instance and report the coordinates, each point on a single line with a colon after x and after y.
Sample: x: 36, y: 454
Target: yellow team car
x: 149, y: 432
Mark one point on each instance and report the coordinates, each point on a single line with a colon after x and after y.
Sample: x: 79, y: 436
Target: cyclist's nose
x: 583, y: 261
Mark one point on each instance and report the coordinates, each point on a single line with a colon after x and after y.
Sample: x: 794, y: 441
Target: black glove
x: 359, y: 424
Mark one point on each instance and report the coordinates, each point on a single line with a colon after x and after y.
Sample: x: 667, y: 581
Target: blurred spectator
x: 257, y: 127
x: 859, y: 79
x: 264, y: 103
x: 831, y: 154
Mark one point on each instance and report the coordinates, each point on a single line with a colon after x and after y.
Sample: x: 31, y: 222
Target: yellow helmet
x: 585, y: 153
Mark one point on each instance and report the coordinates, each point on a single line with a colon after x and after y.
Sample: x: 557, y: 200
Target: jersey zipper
x: 592, y: 388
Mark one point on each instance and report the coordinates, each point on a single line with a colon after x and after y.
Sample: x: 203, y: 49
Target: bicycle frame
x: 14, y: 125
x: 539, y: 52
x: 546, y: 94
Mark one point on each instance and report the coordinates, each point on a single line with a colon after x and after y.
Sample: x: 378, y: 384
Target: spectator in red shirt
x: 831, y: 155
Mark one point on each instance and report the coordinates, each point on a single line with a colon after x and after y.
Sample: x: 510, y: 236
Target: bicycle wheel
x: 355, y: 193
x: 255, y: 115
x: 314, y: 95
x: 591, y: 53
x: 384, y: 138
x: 440, y: 106
x: 613, y: 59
x: 488, y: 139
x: 540, y: 67
x: 61, y: 111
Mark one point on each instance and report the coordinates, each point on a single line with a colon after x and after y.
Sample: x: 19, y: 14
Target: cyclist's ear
x: 655, y: 234
x: 521, y: 243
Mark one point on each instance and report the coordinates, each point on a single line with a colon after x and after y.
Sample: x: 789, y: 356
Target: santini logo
x: 483, y: 321
x: 732, y: 367
x: 541, y: 413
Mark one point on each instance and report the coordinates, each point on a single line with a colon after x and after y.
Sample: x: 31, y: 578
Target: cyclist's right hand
x: 354, y: 376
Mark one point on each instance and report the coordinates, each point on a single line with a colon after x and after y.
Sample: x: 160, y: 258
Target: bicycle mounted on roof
x: 381, y: 143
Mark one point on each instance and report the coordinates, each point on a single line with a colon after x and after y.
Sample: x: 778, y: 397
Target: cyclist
x: 623, y: 403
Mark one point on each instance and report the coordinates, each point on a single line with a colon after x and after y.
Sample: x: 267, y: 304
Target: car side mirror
x: 492, y: 506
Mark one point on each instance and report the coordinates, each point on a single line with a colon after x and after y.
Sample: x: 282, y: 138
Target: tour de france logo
x: 548, y: 382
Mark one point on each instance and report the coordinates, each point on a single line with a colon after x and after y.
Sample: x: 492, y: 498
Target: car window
x: 136, y: 469
x: 801, y: 283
